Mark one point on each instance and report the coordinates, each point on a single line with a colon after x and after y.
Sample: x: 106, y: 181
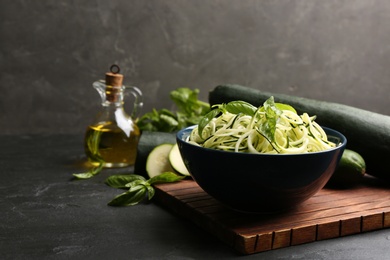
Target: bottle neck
x: 114, y: 96
x: 110, y: 104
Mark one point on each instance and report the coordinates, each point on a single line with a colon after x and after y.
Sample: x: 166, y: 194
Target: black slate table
x: 47, y: 215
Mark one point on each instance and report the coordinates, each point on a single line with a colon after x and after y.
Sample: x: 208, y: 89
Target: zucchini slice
x: 158, y: 160
x: 177, y: 161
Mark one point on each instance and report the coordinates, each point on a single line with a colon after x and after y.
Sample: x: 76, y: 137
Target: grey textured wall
x: 52, y: 51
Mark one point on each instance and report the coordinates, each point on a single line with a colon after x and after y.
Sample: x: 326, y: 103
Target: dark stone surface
x: 46, y: 215
x: 52, y: 51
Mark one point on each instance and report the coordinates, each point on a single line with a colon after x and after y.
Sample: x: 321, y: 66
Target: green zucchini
x: 349, y: 171
x: 367, y: 133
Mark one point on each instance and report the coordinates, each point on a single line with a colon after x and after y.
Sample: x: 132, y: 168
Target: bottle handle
x: 138, y: 101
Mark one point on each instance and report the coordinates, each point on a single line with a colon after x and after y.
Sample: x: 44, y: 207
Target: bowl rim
x: 183, y: 134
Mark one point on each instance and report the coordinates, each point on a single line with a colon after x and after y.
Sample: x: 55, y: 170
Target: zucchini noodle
x: 289, y: 133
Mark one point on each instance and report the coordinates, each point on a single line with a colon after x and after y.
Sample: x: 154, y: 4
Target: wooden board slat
x: 331, y: 213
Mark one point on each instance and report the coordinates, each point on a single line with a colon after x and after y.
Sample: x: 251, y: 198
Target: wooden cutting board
x: 329, y: 214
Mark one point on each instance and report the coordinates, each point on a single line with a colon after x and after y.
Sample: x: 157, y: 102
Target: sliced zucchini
x: 158, y: 160
x: 177, y: 161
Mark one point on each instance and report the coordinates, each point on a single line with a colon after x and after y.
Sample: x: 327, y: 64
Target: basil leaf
x: 93, y: 146
x: 129, y: 198
x: 121, y: 181
x: 268, y: 127
x: 237, y: 107
x: 90, y: 173
x: 187, y: 101
x: 234, y: 107
x: 164, y: 178
x: 183, y: 96
x: 137, y: 187
x: 151, y: 191
x: 206, y: 119
x: 135, y: 183
x: 167, y: 112
x: 189, y: 111
x: 169, y: 120
x: 83, y: 175
x: 282, y: 106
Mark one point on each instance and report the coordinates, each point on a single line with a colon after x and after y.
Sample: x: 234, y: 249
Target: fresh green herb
x: 237, y: 107
x: 138, y: 187
x: 122, y: 181
x: 165, y: 178
x: 89, y: 174
x: 206, y: 119
x: 129, y: 198
x: 93, y: 145
x: 272, y: 114
x: 189, y: 112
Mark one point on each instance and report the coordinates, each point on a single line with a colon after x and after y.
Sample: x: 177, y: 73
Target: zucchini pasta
x: 273, y: 129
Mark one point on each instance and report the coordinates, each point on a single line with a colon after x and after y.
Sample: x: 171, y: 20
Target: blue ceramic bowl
x: 262, y: 183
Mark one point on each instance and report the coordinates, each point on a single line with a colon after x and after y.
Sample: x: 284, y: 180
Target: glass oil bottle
x: 113, y: 136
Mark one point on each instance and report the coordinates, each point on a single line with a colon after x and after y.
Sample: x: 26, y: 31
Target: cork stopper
x: 113, y: 78
x: 114, y: 82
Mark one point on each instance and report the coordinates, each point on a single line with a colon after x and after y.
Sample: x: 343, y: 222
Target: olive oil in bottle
x: 113, y: 137
x: 115, y: 148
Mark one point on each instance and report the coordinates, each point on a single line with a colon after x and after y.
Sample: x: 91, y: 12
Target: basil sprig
x: 93, y: 146
x: 272, y: 114
x: 137, y: 187
x: 189, y: 110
